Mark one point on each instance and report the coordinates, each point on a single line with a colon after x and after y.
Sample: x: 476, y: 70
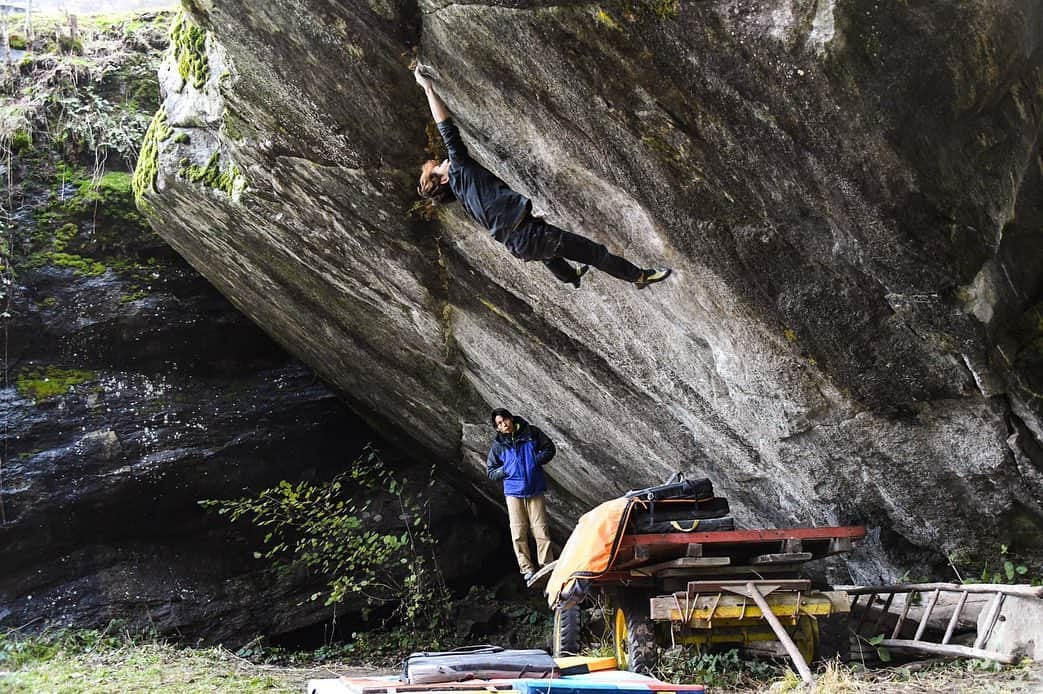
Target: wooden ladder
x: 911, y: 591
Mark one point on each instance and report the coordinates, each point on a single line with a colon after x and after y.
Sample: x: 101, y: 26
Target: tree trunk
x: 7, y: 35
x: 29, y: 37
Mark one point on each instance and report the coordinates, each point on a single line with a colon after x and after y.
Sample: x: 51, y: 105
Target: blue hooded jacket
x: 517, y: 458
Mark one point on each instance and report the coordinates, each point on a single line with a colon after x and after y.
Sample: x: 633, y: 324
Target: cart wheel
x: 634, y: 634
x: 805, y: 637
x: 834, y: 637
x: 566, y: 631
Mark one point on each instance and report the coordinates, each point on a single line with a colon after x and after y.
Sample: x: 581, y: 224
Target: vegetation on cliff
x: 71, y: 123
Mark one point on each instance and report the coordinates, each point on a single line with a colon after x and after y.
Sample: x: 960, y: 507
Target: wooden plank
x: 926, y: 615
x: 865, y: 613
x: 729, y: 606
x: 901, y: 618
x: 948, y: 649
x: 784, y: 558
x: 883, y: 613
x: 683, y: 563
x: 716, y: 586
x: 692, y: 550
x: 990, y: 620
x: 954, y: 620
x: 1023, y: 591
x: 744, y: 536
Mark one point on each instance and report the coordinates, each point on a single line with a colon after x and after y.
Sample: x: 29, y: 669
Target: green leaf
x: 885, y: 654
x: 1008, y: 568
x: 875, y: 641
x: 1021, y: 569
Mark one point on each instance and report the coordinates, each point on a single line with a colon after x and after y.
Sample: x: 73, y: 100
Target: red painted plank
x: 740, y: 536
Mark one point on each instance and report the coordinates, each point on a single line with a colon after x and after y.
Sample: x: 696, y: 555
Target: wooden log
x: 948, y: 649
x: 784, y: 638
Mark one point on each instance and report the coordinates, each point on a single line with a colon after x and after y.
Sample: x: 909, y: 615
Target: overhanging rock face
x: 849, y: 193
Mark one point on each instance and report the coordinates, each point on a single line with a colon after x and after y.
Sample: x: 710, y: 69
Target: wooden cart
x: 740, y: 586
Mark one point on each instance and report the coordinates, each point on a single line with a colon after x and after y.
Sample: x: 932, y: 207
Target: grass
x: 93, y: 661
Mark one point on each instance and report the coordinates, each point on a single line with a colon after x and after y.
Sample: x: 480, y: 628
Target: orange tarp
x: 591, y: 548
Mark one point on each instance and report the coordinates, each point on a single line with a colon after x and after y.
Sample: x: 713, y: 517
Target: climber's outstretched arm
x: 439, y: 111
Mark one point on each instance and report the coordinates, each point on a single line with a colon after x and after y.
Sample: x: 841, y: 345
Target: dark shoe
x: 653, y: 275
x: 580, y: 271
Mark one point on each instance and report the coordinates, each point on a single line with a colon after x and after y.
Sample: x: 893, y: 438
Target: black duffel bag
x: 680, y: 511
x: 707, y: 525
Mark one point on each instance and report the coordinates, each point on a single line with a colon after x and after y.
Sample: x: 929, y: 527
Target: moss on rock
x: 145, y: 173
x: 189, y: 45
x: 211, y: 175
x: 44, y: 383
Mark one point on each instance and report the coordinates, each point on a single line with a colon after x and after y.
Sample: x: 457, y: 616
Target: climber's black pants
x: 534, y: 239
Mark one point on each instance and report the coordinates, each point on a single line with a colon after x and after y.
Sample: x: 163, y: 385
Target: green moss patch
x: 189, y: 45
x: 86, y: 219
x: 211, y: 175
x: 44, y: 383
x: 145, y: 173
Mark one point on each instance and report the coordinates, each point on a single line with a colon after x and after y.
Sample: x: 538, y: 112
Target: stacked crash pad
x: 593, y: 548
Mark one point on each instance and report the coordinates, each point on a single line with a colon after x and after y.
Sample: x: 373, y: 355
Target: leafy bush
x: 724, y: 669
x: 331, y: 530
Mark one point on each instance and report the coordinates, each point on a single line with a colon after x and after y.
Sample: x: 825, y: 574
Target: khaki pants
x: 523, y: 514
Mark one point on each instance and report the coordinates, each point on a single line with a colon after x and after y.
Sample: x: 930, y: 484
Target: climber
x: 508, y: 215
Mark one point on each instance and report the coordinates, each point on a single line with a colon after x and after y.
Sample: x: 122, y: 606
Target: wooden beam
x: 781, y: 633
x: 744, y: 536
x: 948, y: 649
x: 785, y: 558
x: 683, y: 563
x: 802, y: 584
x: 1023, y: 591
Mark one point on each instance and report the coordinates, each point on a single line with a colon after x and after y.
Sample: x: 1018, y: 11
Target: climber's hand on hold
x: 421, y: 79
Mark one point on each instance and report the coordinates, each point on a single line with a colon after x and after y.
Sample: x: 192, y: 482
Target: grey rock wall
x: 848, y: 191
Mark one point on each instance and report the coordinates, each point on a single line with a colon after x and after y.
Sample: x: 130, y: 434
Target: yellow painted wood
x: 731, y: 610
x: 575, y: 664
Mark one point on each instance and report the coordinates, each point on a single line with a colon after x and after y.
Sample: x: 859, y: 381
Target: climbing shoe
x: 580, y: 271
x: 653, y: 275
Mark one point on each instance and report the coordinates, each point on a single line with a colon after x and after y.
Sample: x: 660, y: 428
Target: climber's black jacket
x: 487, y: 199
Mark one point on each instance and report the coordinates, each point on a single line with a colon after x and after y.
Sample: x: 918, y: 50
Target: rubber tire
x: 632, y: 614
x: 834, y: 637
x: 566, y: 638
